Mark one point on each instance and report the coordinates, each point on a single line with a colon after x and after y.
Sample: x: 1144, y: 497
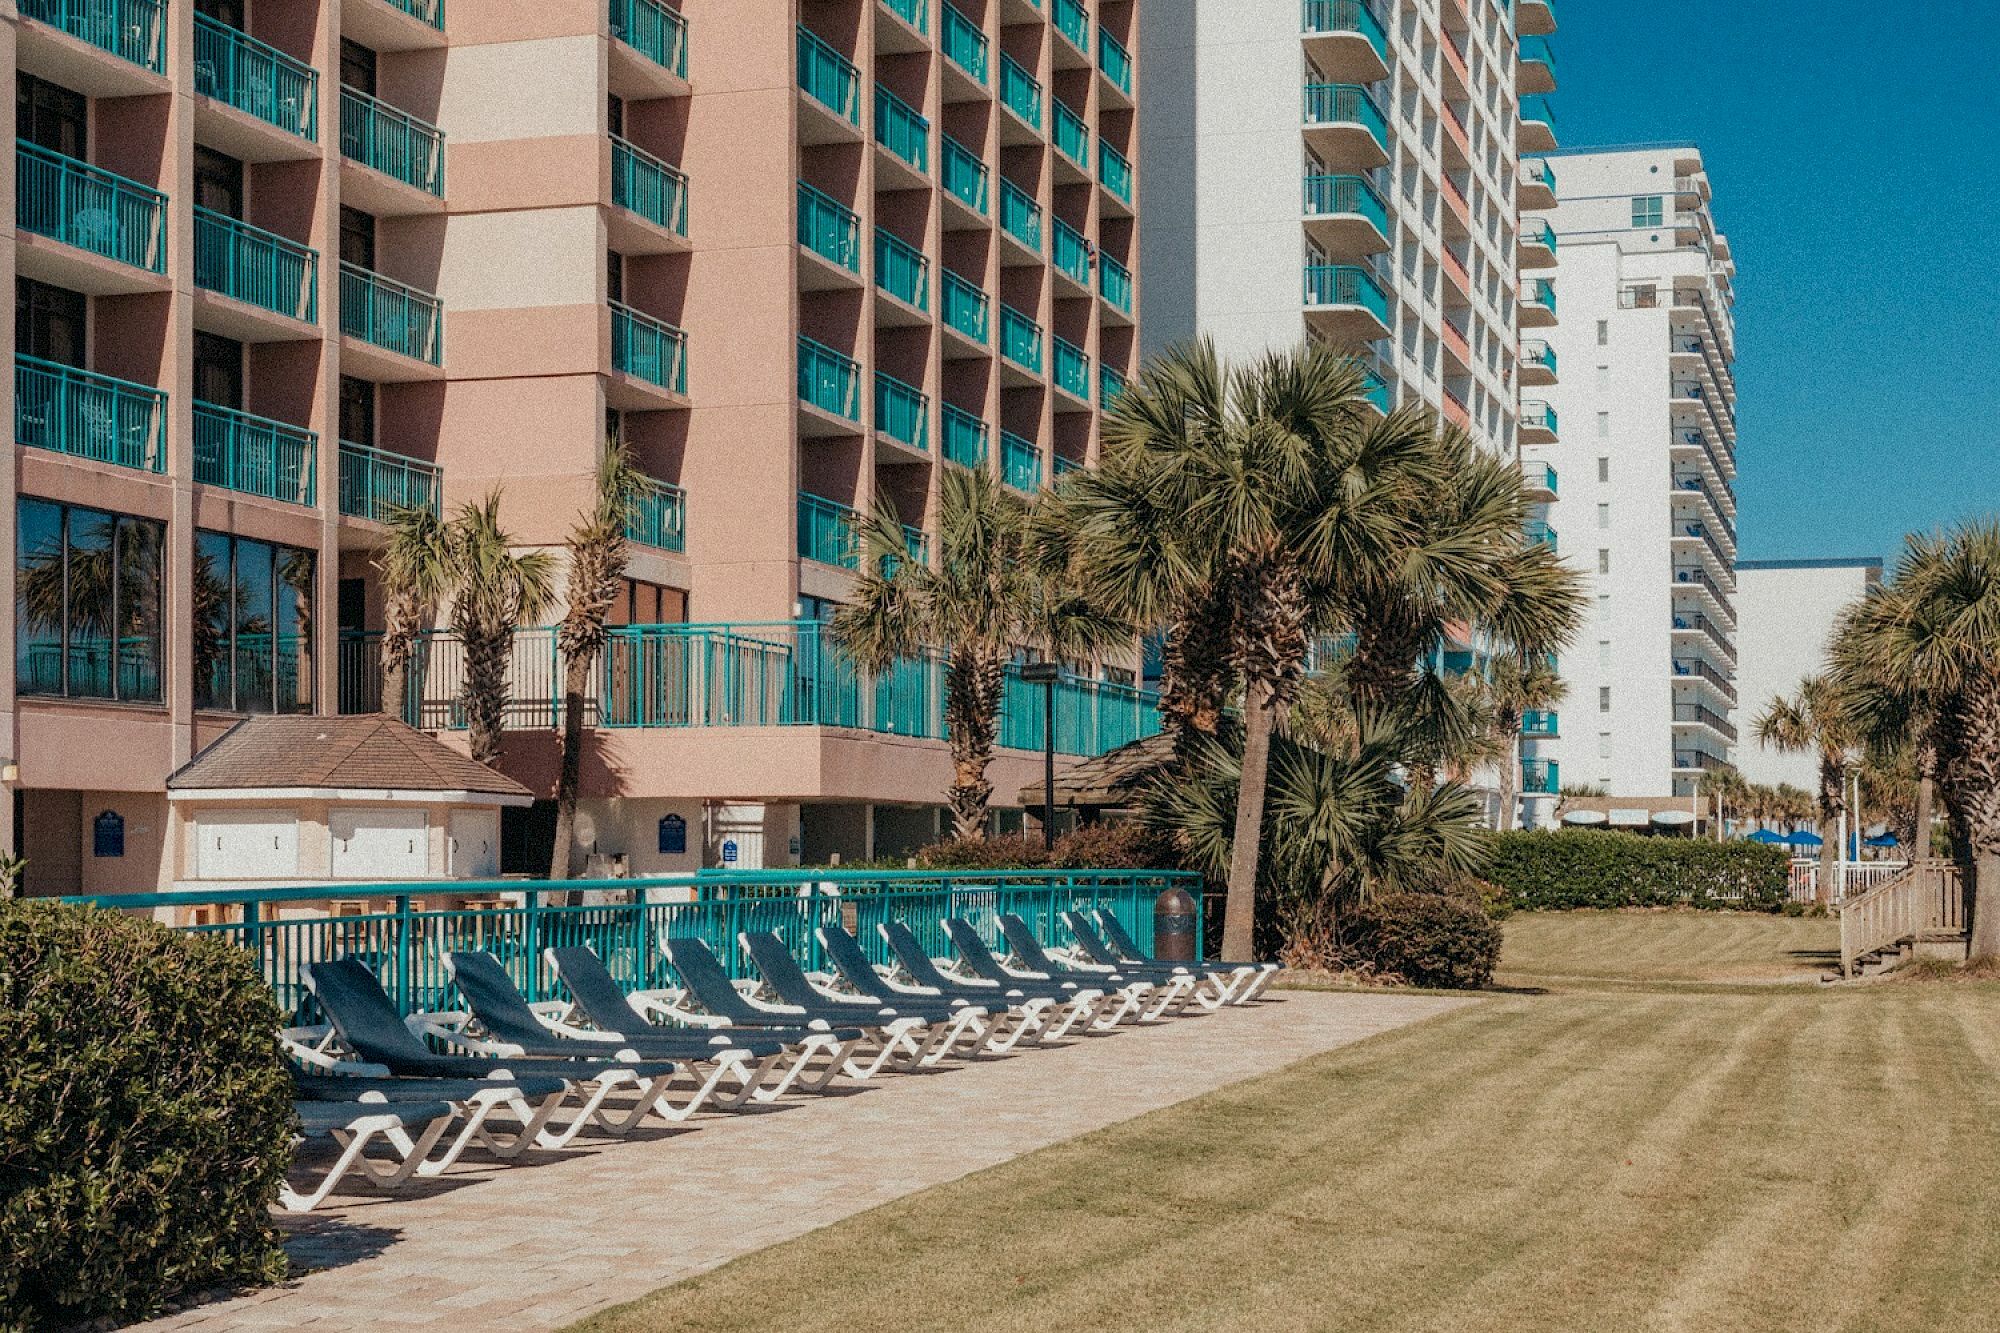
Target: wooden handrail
x: 1926, y: 896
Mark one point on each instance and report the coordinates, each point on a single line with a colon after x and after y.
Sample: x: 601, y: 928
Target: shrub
x: 1126, y: 845
x: 1444, y: 940
x: 1600, y: 868
x: 145, y: 1116
x: 984, y: 854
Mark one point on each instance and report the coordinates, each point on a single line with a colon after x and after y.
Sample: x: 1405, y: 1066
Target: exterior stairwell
x: 1920, y: 913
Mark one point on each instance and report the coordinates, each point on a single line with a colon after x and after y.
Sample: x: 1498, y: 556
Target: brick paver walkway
x: 542, y: 1243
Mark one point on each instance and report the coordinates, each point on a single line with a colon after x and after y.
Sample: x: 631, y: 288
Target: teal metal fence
x: 902, y: 129
x: 648, y: 186
x: 659, y: 516
x: 393, y: 142
x: 829, y: 228
x: 129, y: 29
x: 1020, y: 92
x: 424, y: 11
x: 86, y: 415
x: 829, y: 77
x: 1020, y: 215
x: 1114, y: 170
x: 255, y: 455
x: 964, y: 437
x: 1020, y: 462
x: 966, y: 307
x: 829, y: 380
x: 902, y: 411
x: 1330, y: 17
x: 1540, y: 723
x: 965, y: 176
x: 1345, y: 284
x: 654, y: 31
x: 89, y: 208
x: 1346, y: 104
x: 965, y: 44
x: 828, y: 531
x: 255, y: 266
x: 648, y: 349
x: 1335, y: 195
x: 1072, y: 135
x: 1020, y: 339
x: 255, y: 77
x: 391, y: 315
x: 375, y: 483
x: 902, y: 270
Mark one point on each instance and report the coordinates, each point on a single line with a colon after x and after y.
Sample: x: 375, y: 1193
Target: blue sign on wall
x: 729, y: 851
x: 673, y: 834
x: 107, y: 834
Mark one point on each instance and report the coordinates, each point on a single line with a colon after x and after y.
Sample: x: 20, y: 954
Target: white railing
x: 1852, y: 878
x: 1921, y: 897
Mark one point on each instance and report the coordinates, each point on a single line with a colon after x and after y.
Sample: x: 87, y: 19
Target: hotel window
x: 1603, y: 698
x: 87, y: 603
x: 1604, y: 516
x: 1603, y: 561
x: 1603, y: 425
x: 1604, y: 469
x: 253, y: 623
x: 357, y: 411
x: 1603, y: 745
x: 1647, y: 210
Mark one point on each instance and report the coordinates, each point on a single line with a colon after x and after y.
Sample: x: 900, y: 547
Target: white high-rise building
x: 1635, y: 444
x: 1788, y: 609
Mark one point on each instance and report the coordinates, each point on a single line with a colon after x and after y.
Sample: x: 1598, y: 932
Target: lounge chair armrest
x: 453, y: 1031
x: 671, y: 1006
x: 553, y: 1011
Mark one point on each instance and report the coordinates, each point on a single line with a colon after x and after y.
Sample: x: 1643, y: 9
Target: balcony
x: 1538, y: 304
x: 1073, y: 22
x: 965, y: 437
x: 376, y: 484
x: 1114, y: 284
x: 966, y: 178
x: 1538, y: 184
x: 654, y: 31
x: 256, y: 267
x: 648, y: 350
x: 967, y: 309
x: 1538, y: 66
x: 254, y: 455
x: 1538, y: 422
x: 827, y: 531
x: 1115, y: 172
x: 648, y: 187
x: 1021, y: 94
x: 393, y: 142
x: 1538, y: 244
x: 659, y: 516
x: 1540, y: 534
x: 1535, y: 17
x: 132, y: 30
x: 1069, y: 254
x: 237, y: 70
x: 1020, y: 339
x: 391, y: 315
x: 902, y: 412
x: 1346, y: 216
x: 1345, y: 40
x: 85, y: 415
x: 1698, y: 715
x: 1539, y: 480
x: 1694, y: 668
x: 902, y: 271
x: 830, y: 230
x: 964, y: 44
x: 1020, y: 462
x: 1109, y: 385
x: 916, y: 13
x: 1538, y: 362
x: 1021, y: 217
x: 1346, y: 303
x: 828, y: 380
x: 1115, y: 61
x: 1698, y: 761
x: 902, y: 130
x: 829, y: 78
x: 1538, y: 126
x: 1712, y: 633
x: 1541, y: 725
x: 1345, y: 126
x: 1072, y: 369
x: 1072, y: 138
x: 89, y: 209
x: 1541, y: 777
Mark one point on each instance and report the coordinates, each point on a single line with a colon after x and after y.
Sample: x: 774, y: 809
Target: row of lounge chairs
x: 496, y: 1075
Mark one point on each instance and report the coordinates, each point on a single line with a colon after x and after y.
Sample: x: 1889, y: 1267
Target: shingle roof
x: 1113, y: 780
x: 357, y: 752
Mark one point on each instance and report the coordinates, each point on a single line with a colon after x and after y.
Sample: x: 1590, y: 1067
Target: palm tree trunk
x: 1831, y: 780
x: 973, y: 686
x: 1920, y: 844
x: 1239, y: 922
x: 484, y: 694
x: 395, y: 685
x: 1510, y: 770
x: 1983, y: 930
x: 576, y: 679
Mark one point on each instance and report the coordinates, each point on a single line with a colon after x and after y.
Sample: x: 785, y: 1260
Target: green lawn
x: 1634, y: 1155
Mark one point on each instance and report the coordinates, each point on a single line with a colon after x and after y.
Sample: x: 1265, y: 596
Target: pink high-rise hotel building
x: 280, y: 265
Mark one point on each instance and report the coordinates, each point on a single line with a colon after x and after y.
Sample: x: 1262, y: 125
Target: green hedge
x: 1441, y: 940
x: 145, y: 1116
x: 1599, y: 868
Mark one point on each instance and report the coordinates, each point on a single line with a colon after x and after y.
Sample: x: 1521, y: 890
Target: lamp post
x: 1045, y: 674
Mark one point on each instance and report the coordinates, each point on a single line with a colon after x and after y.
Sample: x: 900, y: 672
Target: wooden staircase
x: 1919, y: 913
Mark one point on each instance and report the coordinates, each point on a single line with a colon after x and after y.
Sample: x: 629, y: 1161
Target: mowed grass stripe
x: 1667, y: 946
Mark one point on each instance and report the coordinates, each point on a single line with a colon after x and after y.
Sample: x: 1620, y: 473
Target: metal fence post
x: 404, y: 952
x: 534, y: 932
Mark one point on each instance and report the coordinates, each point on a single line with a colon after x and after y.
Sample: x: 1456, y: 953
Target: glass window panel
x: 214, y: 613
x: 92, y: 598
x: 295, y: 677
x: 38, y: 598
x: 255, y: 648
x: 141, y: 583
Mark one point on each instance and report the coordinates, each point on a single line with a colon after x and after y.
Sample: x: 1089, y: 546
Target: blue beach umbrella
x: 1886, y: 840
x: 1803, y: 839
x: 1767, y: 837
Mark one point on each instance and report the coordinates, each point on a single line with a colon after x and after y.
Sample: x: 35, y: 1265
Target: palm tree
x: 1812, y: 721
x: 988, y: 595
x: 417, y: 571
x: 497, y: 589
x: 596, y: 576
x: 1521, y: 683
x: 1725, y: 788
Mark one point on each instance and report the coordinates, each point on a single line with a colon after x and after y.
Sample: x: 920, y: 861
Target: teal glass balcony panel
x: 1020, y: 339
x: 1019, y: 91
x: 649, y: 187
x: 916, y: 13
x: 1114, y: 171
x: 1066, y: 465
x: 1539, y: 171
x: 1378, y: 393
x: 1538, y: 51
x: 901, y: 270
x: 1329, y: 195
x: 654, y: 31
x: 255, y: 266
x: 86, y: 415
x: 965, y: 44
x: 1020, y: 215
x: 391, y: 315
x: 1092, y: 716
x: 376, y: 484
x: 1337, y: 16
x: 829, y: 77
x: 254, y: 455
x: 1073, y: 22
x: 829, y: 380
x: 828, y: 531
x: 1540, y: 723
x: 1109, y: 385
x: 1538, y: 353
x: 256, y: 78
x: 1541, y: 534
x: 89, y: 208
x: 132, y: 30
x: 1072, y: 368
x: 393, y: 142
x: 1114, y: 282
x: 648, y: 349
x: 966, y: 307
x: 1020, y: 461
x: 902, y: 411
x: 1541, y: 777
x: 965, y: 176
x: 1346, y: 104
x: 1538, y: 109
x: 1540, y: 292
x: 901, y: 129
x: 917, y: 542
x: 1345, y: 284
x: 1538, y: 414
x: 1114, y: 60
x: 1072, y: 136
x: 424, y: 11
x: 965, y: 437
x: 829, y: 228
x: 659, y: 516
x: 1549, y: 479
x: 1535, y: 231
x: 1070, y: 251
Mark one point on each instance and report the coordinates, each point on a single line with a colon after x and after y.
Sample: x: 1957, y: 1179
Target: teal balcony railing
x: 654, y: 31
x: 1109, y: 385
x: 256, y: 78
x: 254, y: 455
x: 901, y: 129
x: 649, y: 187
x: 1020, y: 92
x: 255, y: 266
x: 376, y: 484
x: 965, y: 176
x: 659, y: 516
x: 424, y: 11
x: 966, y: 307
x: 393, y: 142
x: 1330, y: 17
x: 829, y: 77
x: 1378, y: 393
x: 964, y: 44
x: 829, y: 228
x: 829, y: 380
x: 1066, y: 465
x: 1540, y: 292
x: 901, y: 270
x: 1328, y: 196
x: 1114, y: 60
x: 1538, y: 51
x: 1114, y: 171
x: 965, y: 437
x: 1537, y: 169
x: 1072, y: 368
x: 391, y: 315
x: 1540, y: 534
x: 1072, y: 136
x: 1020, y: 215
x: 1539, y: 723
x: 1535, y: 352
x: 89, y: 208
x: 1069, y: 251
x: 1073, y: 22
x: 1536, y: 231
x: 916, y: 13
x: 129, y: 29
x: 902, y: 411
x: 1537, y: 109
x: 1535, y: 413
x: 1346, y: 104
x: 1345, y: 284
x: 86, y: 415
x: 1114, y: 282
x: 648, y: 349
x: 917, y: 542
x: 828, y: 531
x: 1541, y: 777
x: 1020, y: 462
x: 1020, y: 339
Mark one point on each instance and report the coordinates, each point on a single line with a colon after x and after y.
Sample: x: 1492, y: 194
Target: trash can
x: 1174, y: 926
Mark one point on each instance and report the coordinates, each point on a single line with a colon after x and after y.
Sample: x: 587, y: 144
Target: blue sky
x: 1856, y: 173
